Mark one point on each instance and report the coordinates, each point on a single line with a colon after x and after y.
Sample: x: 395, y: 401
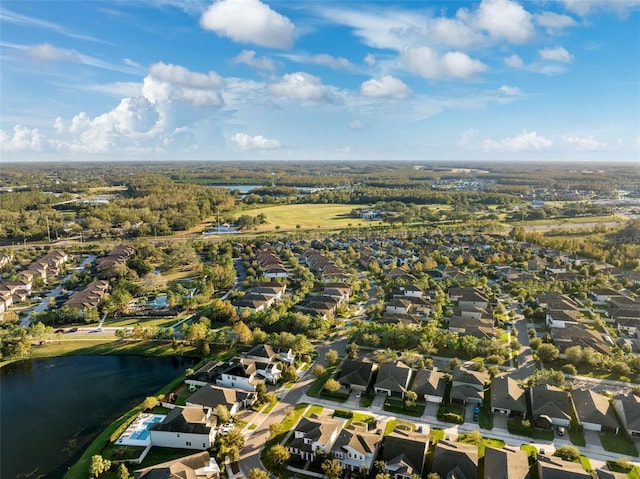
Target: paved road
x: 526, y: 364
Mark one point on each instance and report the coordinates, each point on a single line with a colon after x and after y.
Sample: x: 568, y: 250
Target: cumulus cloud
x: 554, y: 22
x: 166, y: 82
x: 505, y: 19
x: 300, y: 86
x: 583, y: 143
x: 335, y: 63
x: 248, y: 57
x: 249, y: 21
x: 21, y: 139
x: 583, y: 8
x: 259, y: 142
x: 427, y: 63
x: 356, y: 125
x: 48, y: 53
x: 514, y: 61
x: 370, y: 59
x: 526, y: 141
x: 558, y: 54
x: 387, y: 86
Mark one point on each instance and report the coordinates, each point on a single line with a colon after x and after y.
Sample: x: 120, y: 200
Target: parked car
x: 72, y: 330
x: 59, y: 330
x: 560, y: 431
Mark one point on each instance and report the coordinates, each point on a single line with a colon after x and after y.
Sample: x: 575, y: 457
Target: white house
x: 240, y: 374
x: 356, y: 448
x: 190, y: 427
x: 314, y: 435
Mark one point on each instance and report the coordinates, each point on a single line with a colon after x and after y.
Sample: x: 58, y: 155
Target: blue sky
x: 320, y: 80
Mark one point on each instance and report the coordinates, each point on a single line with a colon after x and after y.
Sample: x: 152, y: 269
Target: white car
x: 358, y: 394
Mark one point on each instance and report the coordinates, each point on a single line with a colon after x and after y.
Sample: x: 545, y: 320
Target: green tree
x: 318, y: 370
x: 256, y: 473
x: 352, y: 351
x: 332, y: 468
x: 275, y: 429
x: 332, y: 385
x: 547, y: 352
x: 331, y: 356
x: 290, y: 374
x: 222, y: 412
x: 123, y: 472
x: 98, y: 466
x: 568, y: 453
x: 277, y: 456
x: 410, y: 398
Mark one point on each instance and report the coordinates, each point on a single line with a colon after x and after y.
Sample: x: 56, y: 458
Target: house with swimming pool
x: 190, y: 427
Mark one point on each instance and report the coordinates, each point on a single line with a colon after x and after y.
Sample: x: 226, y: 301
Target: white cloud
x: 558, y: 54
x: 118, y: 89
x: 335, y: 63
x: 453, y: 32
x: 356, y: 125
x: 514, y: 61
x: 300, y: 86
x: 387, y: 86
x: 248, y: 57
x: 249, y: 21
x: 554, y: 22
x: 426, y: 62
x: 179, y: 75
x: 21, y: 139
x: 583, y: 8
x: 48, y: 53
x: 259, y: 142
x: 370, y: 59
x: 526, y: 141
x: 505, y: 19
x: 510, y: 90
x: 468, y: 137
x: 583, y: 143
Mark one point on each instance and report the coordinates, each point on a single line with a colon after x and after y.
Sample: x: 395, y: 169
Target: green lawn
x: 338, y: 397
x: 398, y: 406
x: 481, y: 442
x: 392, y: 423
x: 618, y: 443
x: 317, y: 385
x: 313, y: 410
x: 452, y: 413
x: 306, y: 216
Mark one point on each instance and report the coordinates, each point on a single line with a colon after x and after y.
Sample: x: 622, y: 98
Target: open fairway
x: 309, y: 216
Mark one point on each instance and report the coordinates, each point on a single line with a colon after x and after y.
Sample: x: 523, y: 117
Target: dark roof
x: 356, y: 372
x: 405, y: 452
x: 594, y: 408
x: 550, y: 401
x: 506, y: 393
x: 447, y: 456
x: 431, y: 382
x: 393, y: 376
x: 211, y: 396
x: 556, y: 468
x: 358, y: 438
x: 189, y: 419
x: 505, y: 464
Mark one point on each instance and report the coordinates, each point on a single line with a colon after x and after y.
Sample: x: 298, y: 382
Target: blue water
x: 159, y: 301
x: 51, y: 409
x: 140, y: 435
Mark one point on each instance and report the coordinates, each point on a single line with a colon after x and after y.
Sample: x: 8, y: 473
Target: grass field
x: 289, y: 217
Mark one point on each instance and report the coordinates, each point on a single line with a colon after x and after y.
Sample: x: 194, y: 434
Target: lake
x: 51, y: 409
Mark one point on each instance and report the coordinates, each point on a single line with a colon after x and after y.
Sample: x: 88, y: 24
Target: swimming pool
x: 138, y: 433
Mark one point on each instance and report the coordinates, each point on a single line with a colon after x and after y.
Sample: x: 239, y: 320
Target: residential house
x: 393, y: 379
x: 195, y: 466
x: 579, y: 335
x: 467, y: 386
x: 254, y: 302
x: 602, y: 295
x: 356, y: 448
x: 430, y: 384
x: 211, y: 396
x: 404, y: 453
x: 594, y: 411
x: 399, y: 306
x: 314, y: 435
x: 469, y: 297
x: 606, y: 474
x: 456, y: 460
x: 550, y: 467
x: 267, y: 353
x: 506, y: 463
x: 89, y: 297
x: 241, y: 374
x: 550, y: 406
x: 356, y: 374
x: 628, y: 408
x: 629, y: 323
x: 190, y: 427
x: 508, y: 397
x: 118, y: 256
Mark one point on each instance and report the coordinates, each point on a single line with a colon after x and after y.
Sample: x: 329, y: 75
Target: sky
x: 298, y: 80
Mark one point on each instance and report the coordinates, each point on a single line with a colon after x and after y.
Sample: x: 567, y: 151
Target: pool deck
x: 139, y: 424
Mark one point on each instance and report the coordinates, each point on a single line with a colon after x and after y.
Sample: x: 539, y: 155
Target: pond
x: 51, y: 409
